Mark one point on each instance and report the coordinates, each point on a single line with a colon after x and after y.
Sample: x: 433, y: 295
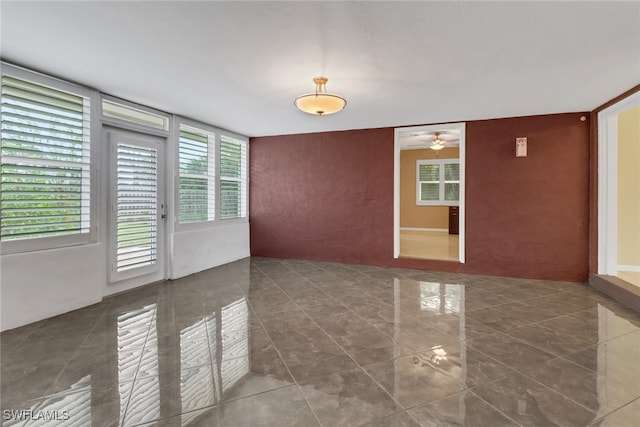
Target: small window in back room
x: 438, y: 182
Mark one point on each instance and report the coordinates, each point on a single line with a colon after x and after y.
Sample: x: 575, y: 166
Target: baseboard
x: 630, y: 268
x: 439, y: 230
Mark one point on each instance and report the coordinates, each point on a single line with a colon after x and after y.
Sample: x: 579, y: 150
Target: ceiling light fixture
x: 320, y: 103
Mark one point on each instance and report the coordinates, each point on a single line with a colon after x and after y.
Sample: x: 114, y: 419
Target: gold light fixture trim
x: 320, y: 103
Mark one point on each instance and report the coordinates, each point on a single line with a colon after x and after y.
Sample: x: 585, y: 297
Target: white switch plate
x: 521, y: 147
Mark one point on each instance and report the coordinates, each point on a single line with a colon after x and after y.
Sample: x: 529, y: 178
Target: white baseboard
x: 439, y: 230
x: 631, y: 268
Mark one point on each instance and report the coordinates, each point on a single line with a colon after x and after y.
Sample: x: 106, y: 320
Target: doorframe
x: 608, y: 184
x: 459, y: 126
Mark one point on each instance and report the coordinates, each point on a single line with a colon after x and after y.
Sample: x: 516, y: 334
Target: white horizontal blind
x: 136, y: 206
x: 452, y: 181
x: 45, y: 177
x: 196, y: 158
x: 429, y: 177
x: 233, y: 178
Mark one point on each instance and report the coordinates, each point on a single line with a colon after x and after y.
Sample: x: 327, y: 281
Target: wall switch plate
x: 521, y: 147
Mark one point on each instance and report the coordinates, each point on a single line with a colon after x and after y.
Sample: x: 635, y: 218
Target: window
x: 121, y: 112
x: 233, y: 178
x: 438, y: 182
x: 196, y: 186
x: 212, y: 179
x: 45, y: 169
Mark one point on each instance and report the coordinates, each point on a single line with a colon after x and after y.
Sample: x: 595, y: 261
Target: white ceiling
x: 240, y: 65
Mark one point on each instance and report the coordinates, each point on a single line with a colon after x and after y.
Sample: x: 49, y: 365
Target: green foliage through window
x: 45, y: 171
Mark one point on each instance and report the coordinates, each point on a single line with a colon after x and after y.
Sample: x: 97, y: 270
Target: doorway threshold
x: 620, y: 290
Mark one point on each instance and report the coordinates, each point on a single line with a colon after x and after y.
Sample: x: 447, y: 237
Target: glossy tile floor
x: 265, y: 342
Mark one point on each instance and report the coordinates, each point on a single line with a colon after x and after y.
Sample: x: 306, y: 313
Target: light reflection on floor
x: 282, y: 342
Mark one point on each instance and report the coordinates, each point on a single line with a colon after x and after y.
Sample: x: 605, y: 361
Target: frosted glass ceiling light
x: 320, y: 103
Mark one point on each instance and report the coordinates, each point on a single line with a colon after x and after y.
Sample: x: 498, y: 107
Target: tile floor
x: 265, y: 342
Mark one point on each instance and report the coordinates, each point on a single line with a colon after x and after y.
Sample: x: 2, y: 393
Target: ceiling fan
x: 433, y: 140
x: 441, y: 140
x: 437, y: 143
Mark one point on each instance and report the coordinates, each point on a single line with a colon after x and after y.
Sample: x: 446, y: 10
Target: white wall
x: 43, y: 284
x: 38, y: 285
x: 198, y: 250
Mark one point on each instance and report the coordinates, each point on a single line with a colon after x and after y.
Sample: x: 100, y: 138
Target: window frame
x: 77, y: 239
x: 212, y: 155
x: 219, y: 134
x: 441, y: 187
x: 130, y: 124
x: 244, y: 181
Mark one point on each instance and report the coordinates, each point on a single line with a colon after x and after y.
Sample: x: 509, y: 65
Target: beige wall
x: 412, y: 215
x: 629, y: 187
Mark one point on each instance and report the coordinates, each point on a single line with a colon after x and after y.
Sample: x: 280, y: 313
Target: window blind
x: 452, y: 181
x: 429, y: 182
x: 233, y: 178
x: 196, y: 187
x: 137, y: 207
x: 45, y: 171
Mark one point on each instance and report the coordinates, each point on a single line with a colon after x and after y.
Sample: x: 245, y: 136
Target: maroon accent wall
x: 329, y: 197
x: 323, y: 196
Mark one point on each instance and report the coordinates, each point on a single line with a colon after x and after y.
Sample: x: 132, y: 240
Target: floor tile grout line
x: 515, y: 370
x: 523, y: 373
x: 295, y: 381
x: 361, y: 368
x: 495, y: 408
x: 76, y: 351
x: 523, y: 341
x: 339, y: 302
x: 504, y: 333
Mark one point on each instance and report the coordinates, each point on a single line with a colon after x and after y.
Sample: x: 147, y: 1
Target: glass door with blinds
x: 136, y: 207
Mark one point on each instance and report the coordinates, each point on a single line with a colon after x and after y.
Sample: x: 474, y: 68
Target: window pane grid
x: 45, y: 180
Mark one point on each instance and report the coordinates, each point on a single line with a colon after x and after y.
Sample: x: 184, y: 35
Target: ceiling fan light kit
x: 320, y: 103
x: 437, y: 143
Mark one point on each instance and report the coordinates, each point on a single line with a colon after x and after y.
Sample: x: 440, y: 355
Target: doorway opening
x: 619, y: 190
x: 429, y: 165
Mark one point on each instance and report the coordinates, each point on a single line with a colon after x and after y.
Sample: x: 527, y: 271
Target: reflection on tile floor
x: 266, y: 342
